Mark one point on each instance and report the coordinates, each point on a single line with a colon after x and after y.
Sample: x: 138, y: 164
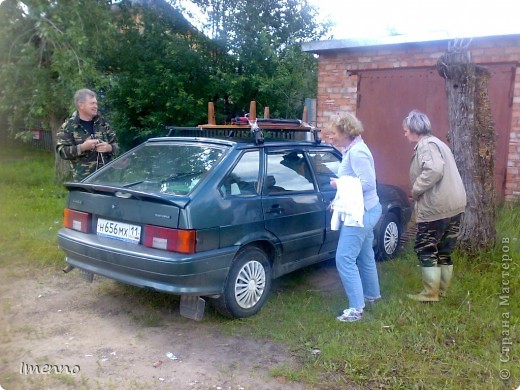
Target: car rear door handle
x: 276, y: 209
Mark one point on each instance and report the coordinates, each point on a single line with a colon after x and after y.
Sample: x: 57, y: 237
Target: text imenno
x: 30, y: 369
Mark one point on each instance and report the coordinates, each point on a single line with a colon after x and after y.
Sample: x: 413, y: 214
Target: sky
x: 418, y: 18
x: 444, y: 18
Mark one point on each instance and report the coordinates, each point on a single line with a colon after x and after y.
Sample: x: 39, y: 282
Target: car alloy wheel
x: 247, y: 285
x: 390, y: 235
x: 250, y: 284
x: 391, y: 238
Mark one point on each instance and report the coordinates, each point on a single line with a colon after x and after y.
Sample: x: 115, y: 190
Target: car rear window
x: 170, y: 168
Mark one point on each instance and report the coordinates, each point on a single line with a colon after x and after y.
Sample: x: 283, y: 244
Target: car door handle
x: 276, y: 209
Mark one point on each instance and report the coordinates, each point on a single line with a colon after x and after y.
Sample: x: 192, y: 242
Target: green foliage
x: 164, y: 72
x: 160, y: 74
x: 50, y: 49
x: 270, y: 68
x: 150, y: 67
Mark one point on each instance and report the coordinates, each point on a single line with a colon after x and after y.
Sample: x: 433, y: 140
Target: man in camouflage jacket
x: 85, y: 139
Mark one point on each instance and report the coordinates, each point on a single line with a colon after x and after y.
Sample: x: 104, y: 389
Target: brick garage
x: 382, y: 80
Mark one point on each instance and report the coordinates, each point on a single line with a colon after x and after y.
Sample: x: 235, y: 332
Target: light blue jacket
x: 358, y: 162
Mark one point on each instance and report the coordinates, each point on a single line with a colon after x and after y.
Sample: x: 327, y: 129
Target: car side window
x: 287, y: 172
x: 243, y: 179
x: 325, y: 165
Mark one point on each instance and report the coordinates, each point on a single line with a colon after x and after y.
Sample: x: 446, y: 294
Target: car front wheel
x: 247, y: 284
x: 389, y: 237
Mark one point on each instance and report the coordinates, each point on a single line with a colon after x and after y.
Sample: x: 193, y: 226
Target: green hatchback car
x: 213, y: 219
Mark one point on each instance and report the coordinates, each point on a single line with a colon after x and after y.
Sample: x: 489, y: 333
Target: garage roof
x: 343, y: 44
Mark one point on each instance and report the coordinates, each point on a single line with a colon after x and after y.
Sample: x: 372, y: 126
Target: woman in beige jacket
x: 440, y: 201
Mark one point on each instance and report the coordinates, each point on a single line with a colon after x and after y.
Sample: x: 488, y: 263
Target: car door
x: 292, y: 206
x: 325, y: 164
x: 240, y: 213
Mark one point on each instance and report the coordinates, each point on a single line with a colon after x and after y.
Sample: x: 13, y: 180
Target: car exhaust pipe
x: 68, y: 268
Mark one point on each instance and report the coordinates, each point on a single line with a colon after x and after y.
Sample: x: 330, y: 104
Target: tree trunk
x: 472, y: 139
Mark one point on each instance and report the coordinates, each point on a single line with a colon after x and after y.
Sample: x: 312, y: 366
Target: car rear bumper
x: 175, y: 273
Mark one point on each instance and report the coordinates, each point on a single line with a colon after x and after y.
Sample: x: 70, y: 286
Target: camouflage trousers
x: 436, y: 240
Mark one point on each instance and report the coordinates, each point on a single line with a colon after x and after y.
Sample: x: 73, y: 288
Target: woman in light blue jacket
x: 355, y: 258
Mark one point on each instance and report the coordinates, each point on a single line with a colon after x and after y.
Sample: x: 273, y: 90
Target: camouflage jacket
x: 72, y: 133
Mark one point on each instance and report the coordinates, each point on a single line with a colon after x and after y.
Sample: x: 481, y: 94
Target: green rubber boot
x: 431, y: 277
x: 446, y: 275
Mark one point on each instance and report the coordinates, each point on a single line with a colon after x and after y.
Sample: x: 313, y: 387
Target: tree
x: 49, y: 50
x: 265, y: 37
x: 148, y: 65
x: 472, y: 140
x: 160, y: 70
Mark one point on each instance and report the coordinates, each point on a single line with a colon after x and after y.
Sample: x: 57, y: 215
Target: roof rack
x: 255, y: 126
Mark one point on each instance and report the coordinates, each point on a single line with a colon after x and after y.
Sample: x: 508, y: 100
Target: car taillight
x: 77, y: 220
x: 174, y: 240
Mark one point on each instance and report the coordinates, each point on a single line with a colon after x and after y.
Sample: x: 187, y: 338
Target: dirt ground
x: 94, y: 331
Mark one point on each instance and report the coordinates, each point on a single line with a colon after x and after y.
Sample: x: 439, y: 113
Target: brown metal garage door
x: 386, y: 96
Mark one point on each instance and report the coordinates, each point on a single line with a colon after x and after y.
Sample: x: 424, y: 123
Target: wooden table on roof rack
x: 252, y: 117
x: 287, y: 127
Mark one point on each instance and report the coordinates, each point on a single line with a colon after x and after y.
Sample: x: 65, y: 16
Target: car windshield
x: 170, y: 168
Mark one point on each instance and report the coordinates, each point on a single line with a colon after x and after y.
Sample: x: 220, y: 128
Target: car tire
x: 247, y: 284
x: 389, y: 237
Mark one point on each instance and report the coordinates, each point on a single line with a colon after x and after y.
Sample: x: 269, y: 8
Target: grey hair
x: 81, y: 95
x: 418, y: 123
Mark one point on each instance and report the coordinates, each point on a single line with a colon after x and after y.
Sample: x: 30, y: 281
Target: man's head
x: 86, y: 103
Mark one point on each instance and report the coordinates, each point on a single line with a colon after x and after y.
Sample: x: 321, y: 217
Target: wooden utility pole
x: 472, y: 139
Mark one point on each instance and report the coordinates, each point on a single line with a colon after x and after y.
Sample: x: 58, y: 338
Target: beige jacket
x: 436, y: 183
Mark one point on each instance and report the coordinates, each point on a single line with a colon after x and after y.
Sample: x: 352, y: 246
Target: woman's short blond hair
x: 347, y: 124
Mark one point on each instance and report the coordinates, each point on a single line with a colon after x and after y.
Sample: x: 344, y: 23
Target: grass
x: 32, y: 207
x: 464, y: 342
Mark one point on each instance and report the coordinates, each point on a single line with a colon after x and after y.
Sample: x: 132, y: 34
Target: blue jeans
x: 355, y: 260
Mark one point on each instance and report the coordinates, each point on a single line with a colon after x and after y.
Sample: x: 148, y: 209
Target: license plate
x: 119, y: 230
